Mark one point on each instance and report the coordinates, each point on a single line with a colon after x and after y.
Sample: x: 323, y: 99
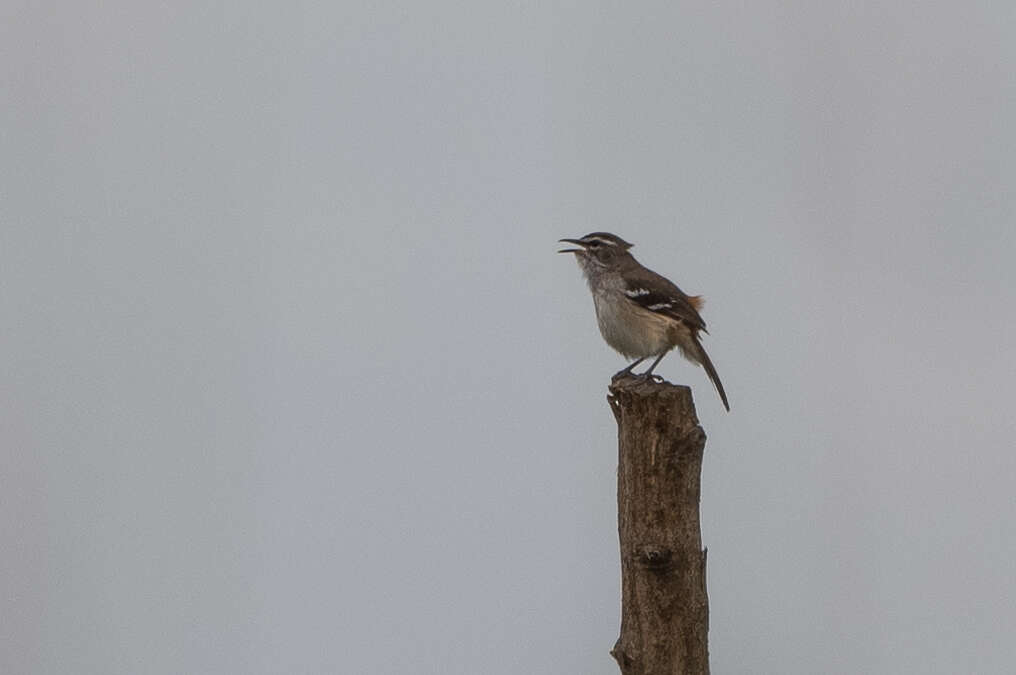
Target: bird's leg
x: 649, y: 373
x: 627, y: 371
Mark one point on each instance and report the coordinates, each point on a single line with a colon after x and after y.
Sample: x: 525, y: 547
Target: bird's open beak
x: 572, y: 250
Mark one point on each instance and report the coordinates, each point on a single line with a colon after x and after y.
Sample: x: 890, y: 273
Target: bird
x: 640, y: 313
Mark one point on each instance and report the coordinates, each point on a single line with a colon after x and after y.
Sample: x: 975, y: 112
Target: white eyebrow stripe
x: 659, y: 305
x: 608, y: 242
x: 636, y: 292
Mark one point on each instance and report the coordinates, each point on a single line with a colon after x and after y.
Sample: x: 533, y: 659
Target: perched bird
x: 640, y: 313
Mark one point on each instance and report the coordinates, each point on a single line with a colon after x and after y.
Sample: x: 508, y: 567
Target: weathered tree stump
x: 664, y: 606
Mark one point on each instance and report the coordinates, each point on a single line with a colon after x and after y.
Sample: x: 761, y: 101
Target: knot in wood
x: 623, y: 658
x: 656, y: 558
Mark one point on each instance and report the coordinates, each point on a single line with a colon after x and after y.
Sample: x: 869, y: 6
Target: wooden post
x: 664, y: 607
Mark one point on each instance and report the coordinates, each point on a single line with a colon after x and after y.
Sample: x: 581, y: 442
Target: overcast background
x: 294, y: 382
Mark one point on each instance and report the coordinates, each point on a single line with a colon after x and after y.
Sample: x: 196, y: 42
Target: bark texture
x: 664, y: 607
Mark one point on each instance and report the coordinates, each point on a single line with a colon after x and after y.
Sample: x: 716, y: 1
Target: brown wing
x: 665, y: 298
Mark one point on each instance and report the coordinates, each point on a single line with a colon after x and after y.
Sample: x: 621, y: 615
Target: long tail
x: 703, y: 358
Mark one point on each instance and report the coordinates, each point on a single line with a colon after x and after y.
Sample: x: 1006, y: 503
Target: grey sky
x: 293, y: 381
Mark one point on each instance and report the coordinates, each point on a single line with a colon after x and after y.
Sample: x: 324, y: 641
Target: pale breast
x: 631, y: 330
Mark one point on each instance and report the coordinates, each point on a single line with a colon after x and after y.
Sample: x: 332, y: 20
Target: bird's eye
x: 594, y: 244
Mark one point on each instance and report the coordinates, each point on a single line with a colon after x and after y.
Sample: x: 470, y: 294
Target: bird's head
x: 602, y: 249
